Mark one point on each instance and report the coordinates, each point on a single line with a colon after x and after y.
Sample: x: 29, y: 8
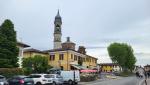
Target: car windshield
x: 18, y: 77
x: 58, y: 76
x: 49, y: 76
x: 27, y: 78
x: 1, y: 77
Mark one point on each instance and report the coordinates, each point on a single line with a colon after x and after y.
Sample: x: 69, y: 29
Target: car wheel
x: 38, y: 83
x: 5, y: 84
x: 76, y: 83
x: 70, y: 82
x: 53, y: 83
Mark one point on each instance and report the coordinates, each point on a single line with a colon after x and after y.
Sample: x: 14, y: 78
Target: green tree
x: 8, y: 45
x: 37, y: 63
x: 131, y: 58
x: 122, y: 54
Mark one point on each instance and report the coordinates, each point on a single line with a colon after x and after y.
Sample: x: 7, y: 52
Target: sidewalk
x: 84, y: 83
x: 98, y: 80
x: 148, y: 82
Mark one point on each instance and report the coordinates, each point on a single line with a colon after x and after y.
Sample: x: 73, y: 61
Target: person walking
x: 148, y: 74
x: 145, y: 73
x: 137, y: 74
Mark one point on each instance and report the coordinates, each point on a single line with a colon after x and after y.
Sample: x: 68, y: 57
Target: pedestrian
x: 100, y: 74
x: 137, y: 74
x: 145, y: 74
x: 148, y: 74
x: 140, y: 74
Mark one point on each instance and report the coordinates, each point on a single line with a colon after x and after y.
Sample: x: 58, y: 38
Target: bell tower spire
x: 58, y: 13
x: 57, y: 31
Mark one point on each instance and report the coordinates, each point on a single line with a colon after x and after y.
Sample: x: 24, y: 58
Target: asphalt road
x: 121, y: 81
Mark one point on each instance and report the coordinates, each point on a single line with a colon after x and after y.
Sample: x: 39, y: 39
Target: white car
x: 44, y: 79
x: 3, y: 80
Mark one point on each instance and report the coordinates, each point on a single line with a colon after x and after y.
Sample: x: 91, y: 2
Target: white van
x: 70, y: 77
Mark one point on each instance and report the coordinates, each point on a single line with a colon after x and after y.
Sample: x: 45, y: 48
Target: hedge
x: 88, y: 78
x: 9, y: 72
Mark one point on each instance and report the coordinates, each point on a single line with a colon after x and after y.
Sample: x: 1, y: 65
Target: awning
x: 88, y: 71
x: 76, y: 67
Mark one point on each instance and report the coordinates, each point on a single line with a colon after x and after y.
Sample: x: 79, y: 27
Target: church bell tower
x: 57, y: 31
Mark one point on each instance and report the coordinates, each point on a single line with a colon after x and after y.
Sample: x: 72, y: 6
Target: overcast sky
x: 92, y: 23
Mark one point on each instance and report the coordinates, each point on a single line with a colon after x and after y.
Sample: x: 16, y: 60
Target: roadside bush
x: 9, y: 72
x: 88, y: 78
x: 27, y: 71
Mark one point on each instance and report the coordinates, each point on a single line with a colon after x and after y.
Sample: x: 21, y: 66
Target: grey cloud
x: 93, y: 23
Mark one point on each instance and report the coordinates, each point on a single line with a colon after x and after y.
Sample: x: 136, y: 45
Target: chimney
x: 81, y: 49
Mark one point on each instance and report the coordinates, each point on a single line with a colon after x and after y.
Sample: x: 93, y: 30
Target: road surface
x: 120, y: 81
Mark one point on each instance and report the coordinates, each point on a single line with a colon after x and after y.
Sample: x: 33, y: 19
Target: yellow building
x: 90, y: 62
x: 109, y: 67
x: 32, y: 52
x: 67, y: 58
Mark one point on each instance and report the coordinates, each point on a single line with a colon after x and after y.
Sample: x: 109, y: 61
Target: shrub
x: 36, y: 64
x: 9, y: 72
x: 27, y: 71
x: 88, y: 77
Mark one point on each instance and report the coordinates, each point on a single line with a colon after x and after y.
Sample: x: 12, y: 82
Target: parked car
x: 55, y: 79
x: 43, y: 79
x: 20, y: 80
x: 70, y: 77
x: 3, y: 80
